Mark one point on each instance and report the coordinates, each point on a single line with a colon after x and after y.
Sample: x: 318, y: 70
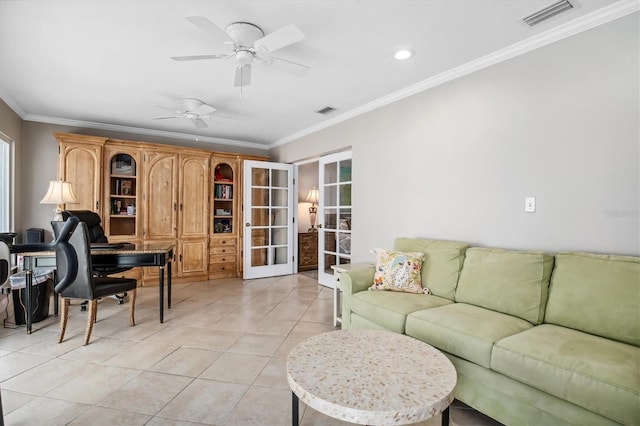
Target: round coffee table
x: 371, y: 377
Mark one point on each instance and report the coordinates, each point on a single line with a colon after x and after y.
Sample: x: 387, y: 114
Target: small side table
x: 337, y: 270
x: 370, y: 377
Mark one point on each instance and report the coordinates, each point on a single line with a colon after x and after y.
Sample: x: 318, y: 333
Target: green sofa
x: 535, y: 338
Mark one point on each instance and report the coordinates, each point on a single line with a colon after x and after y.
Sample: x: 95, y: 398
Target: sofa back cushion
x: 511, y: 282
x: 597, y: 294
x: 442, y: 263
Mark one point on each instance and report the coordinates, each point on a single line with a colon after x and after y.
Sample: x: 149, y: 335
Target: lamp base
x: 57, y: 216
x: 312, y: 229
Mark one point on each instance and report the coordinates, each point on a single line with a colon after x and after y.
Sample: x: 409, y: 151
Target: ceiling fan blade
x: 200, y: 57
x: 217, y: 34
x: 205, y: 109
x: 164, y: 118
x: 173, y: 110
x: 218, y: 117
x: 287, y: 66
x: 199, y: 123
x: 278, y: 39
x: 243, y: 75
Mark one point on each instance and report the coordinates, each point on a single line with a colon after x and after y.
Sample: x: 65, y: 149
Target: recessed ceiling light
x: 403, y: 54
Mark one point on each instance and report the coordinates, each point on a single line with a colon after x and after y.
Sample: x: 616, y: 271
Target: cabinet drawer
x: 215, y: 268
x: 224, y: 250
x: 225, y: 258
x: 216, y: 242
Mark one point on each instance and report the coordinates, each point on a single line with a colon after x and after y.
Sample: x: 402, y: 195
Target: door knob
x: 319, y: 225
x: 247, y: 224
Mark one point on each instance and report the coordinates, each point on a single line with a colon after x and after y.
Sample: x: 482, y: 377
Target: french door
x: 268, y: 219
x: 334, y: 213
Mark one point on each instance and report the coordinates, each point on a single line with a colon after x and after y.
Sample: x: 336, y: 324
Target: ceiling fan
x: 249, y: 43
x: 194, y: 110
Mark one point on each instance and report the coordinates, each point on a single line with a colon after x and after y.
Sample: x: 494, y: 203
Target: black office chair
x: 85, y: 285
x: 96, y: 235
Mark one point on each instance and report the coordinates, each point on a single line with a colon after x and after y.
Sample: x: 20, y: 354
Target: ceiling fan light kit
x: 249, y: 42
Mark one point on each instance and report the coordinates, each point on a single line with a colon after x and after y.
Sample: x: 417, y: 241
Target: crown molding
x: 578, y: 25
x: 141, y: 131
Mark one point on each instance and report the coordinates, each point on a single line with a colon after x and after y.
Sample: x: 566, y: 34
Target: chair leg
x: 132, y: 301
x: 64, y: 314
x: 91, y: 319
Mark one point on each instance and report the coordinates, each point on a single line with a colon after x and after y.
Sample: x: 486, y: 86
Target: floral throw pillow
x: 398, y: 271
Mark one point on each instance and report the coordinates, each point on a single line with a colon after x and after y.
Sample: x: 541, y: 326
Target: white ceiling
x: 103, y: 63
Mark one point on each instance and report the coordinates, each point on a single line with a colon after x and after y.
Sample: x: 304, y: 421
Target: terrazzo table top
x: 371, y: 377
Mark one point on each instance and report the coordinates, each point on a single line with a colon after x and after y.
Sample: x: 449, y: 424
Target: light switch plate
x: 530, y: 204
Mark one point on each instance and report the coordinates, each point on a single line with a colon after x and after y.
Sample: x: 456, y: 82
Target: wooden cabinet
x: 224, y: 250
x: 176, y: 199
x: 193, y: 210
x: 122, y: 191
x: 307, y: 251
x: 161, y: 194
x: 223, y: 257
x: 80, y: 163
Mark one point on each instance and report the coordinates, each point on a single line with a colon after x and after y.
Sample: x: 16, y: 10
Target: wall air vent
x: 548, y: 12
x: 326, y: 110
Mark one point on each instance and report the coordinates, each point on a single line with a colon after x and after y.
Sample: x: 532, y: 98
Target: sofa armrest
x: 350, y: 283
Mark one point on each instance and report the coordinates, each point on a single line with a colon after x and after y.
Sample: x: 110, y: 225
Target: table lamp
x: 59, y: 193
x: 312, y: 197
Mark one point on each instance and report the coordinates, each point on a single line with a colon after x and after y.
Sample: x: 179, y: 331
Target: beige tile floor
x: 218, y: 359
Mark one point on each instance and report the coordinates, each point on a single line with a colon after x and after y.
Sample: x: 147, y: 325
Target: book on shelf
x: 127, y: 187
x: 224, y: 191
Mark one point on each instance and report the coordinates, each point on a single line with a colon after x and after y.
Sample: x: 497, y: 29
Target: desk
x: 159, y: 255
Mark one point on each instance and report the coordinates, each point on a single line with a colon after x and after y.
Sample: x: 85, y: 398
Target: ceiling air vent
x: 326, y: 110
x: 548, y: 12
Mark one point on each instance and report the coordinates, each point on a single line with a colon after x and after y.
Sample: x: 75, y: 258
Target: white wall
x: 307, y: 179
x: 456, y: 162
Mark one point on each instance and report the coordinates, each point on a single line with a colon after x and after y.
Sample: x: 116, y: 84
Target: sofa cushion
x: 464, y: 330
x: 398, y: 271
x: 598, y: 374
x: 597, y: 294
x: 390, y: 308
x: 442, y: 263
x: 511, y: 282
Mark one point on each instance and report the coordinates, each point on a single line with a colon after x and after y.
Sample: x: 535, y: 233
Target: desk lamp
x: 59, y: 193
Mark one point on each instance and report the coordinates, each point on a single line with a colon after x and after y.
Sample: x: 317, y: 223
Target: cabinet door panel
x: 160, y: 192
x: 193, y: 257
x: 194, y: 206
x: 81, y: 166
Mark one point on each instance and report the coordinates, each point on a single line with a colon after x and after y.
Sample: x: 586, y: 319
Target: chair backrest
x: 82, y: 285
x: 5, y: 263
x: 92, y: 219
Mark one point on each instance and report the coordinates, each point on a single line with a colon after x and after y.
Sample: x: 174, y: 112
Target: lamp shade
x: 59, y: 192
x: 313, y: 196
